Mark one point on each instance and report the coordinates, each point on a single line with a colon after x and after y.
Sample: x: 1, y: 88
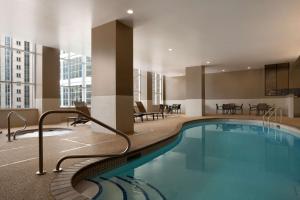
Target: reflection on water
x: 221, y: 161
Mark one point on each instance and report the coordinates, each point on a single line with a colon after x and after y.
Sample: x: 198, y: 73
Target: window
x: 277, y: 79
x: 17, y: 84
x: 157, y: 88
x: 137, y: 85
x: 75, y: 78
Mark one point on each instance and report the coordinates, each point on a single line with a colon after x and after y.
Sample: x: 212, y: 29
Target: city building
x: 18, y: 62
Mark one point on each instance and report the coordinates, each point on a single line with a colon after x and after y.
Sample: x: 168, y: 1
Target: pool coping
x: 63, y: 185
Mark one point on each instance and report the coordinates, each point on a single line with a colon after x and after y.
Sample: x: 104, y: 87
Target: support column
x: 47, y: 82
x: 149, y: 92
x: 195, y: 91
x: 112, y: 77
x: 143, y: 88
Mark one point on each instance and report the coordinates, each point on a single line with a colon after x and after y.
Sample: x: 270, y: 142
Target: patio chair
x: 252, y: 108
x: 262, y: 108
x: 218, y: 107
x: 82, y: 107
x: 176, y: 108
x: 239, y: 108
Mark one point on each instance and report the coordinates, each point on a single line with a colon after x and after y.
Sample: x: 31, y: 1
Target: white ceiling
x: 231, y: 34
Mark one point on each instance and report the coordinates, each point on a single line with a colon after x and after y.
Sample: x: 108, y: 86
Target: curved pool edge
x: 63, y: 185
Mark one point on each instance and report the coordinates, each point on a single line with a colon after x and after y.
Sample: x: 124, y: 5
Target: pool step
x: 127, y: 188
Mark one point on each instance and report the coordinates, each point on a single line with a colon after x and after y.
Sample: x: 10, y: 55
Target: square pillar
x: 47, y: 82
x: 149, y: 92
x: 112, y: 77
x: 195, y: 91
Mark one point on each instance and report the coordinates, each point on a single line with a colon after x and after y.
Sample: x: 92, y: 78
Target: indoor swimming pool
x: 211, y: 161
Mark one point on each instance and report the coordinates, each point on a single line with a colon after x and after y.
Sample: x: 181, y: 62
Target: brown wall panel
x: 235, y: 85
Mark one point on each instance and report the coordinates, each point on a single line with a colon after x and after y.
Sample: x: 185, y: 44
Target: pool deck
x: 19, y: 159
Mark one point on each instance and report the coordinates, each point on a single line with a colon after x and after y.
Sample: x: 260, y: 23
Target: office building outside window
x: 17, y: 73
x: 75, y: 78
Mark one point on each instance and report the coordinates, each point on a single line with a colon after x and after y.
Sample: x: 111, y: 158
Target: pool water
x: 212, y: 160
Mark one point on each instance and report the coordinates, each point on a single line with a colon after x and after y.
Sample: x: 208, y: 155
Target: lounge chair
x: 142, y: 110
x: 138, y: 115
x: 82, y: 107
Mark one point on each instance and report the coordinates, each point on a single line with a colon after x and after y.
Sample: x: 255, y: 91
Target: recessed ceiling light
x: 207, y: 62
x: 130, y: 11
x: 248, y: 67
x: 170, y: 49
x: 223, y: 70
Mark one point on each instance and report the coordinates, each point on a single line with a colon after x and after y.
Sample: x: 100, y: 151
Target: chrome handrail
x: 8, y: 124
x: 58, y: 169
x: 272, y: 112
x: 267, y: 113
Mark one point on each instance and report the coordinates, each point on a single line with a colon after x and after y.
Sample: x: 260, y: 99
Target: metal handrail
x: 8, y: 124
x: 58, y: 169
x: 272, y: 112
x: 267, y: 113
x: 275, y: 114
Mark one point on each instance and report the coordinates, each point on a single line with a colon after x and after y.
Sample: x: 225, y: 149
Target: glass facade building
x: 17, y: 73
x: 75, y: 78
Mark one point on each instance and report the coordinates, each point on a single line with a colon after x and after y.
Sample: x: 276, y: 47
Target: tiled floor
x: 18, y: 159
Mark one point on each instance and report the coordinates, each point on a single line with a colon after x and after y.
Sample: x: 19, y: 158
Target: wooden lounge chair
x: 138, y: 115
x: 142, y: 110
x: 82, y: 107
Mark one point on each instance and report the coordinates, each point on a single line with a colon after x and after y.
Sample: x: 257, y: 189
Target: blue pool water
x: 212, y: 160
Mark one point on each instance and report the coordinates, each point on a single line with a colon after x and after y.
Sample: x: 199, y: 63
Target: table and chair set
x: 232, y: 108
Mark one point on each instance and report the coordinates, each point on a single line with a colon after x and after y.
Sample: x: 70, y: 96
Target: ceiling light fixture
x: 170, y: 49
x: 130, y: 11
x: 207, y: 62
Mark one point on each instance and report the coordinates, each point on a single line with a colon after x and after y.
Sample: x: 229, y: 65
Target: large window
x: 17, y: 73
x: 137, y: 76
x: 157, y: 88
x: 75, y: 78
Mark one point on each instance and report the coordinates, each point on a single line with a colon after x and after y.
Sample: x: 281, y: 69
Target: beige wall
x: 175, y: 88
x: 235, y: 85
x: 194, y: 82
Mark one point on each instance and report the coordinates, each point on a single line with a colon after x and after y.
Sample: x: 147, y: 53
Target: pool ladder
x: 272, y: 112
x: 9, y: 133
x: 58, y: 169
